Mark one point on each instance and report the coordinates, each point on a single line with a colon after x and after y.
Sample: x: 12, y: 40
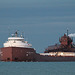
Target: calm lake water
x: 37, y: 68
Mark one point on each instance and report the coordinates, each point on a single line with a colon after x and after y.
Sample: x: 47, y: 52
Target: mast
x: 16, y: 34
x: 67, y: 31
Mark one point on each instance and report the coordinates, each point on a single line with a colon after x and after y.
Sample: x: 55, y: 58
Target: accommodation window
x: 8, y: 58
x: 16, y: 58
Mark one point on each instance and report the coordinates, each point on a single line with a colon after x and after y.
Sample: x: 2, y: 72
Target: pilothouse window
x: 10, y: 40
x: 16, y: 40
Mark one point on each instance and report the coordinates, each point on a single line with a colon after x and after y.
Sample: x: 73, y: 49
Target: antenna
x: 67, y: 31
x: 16, y: 33
x: 23, y: 34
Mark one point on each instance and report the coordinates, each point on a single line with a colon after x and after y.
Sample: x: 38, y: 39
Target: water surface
x: 37, y: 68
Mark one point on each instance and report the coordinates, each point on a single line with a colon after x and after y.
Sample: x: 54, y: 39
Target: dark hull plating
x: 28, y: 55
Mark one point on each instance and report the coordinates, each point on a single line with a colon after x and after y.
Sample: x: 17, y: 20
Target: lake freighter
x: 16, y: 49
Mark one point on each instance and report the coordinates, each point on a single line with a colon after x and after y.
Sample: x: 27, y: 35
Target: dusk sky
x: 42, y: 21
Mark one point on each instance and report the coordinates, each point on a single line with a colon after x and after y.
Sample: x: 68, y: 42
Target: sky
x: 42, y: 21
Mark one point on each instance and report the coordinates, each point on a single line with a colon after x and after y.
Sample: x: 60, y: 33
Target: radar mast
x: 67, y: 31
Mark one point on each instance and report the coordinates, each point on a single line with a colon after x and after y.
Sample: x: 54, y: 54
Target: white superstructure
x: 16, y: 41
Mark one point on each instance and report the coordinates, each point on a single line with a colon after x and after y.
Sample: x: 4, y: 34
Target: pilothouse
x: 17, y: 41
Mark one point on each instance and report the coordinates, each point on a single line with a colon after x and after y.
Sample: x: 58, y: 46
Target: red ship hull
x: 28, y: 54
x: 17, y: 54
